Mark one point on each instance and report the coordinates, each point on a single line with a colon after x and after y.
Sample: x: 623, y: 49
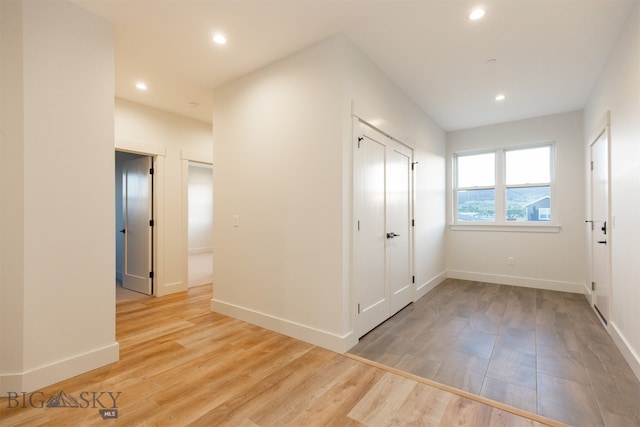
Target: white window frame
x: 500, y: 222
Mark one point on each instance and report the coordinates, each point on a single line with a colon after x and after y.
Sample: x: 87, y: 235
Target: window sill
x: 517, y: 228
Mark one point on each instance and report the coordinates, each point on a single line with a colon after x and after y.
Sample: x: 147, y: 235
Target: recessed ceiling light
x: 219, y: 39
x: 500, y: 97
x: 141, y: 86
x: 476, y: 13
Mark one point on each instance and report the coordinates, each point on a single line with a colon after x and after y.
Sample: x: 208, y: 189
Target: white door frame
x: 603, y: 129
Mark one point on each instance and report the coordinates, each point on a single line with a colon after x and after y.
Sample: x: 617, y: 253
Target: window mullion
x: 500, y: 188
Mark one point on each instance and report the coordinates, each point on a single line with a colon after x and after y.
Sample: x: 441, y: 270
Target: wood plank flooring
x: 541, y: 351
x: 184, y: 365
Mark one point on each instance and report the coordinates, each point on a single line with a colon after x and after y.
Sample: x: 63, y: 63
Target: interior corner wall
x: 282, y: 184
x: 541, y: 259
x: 147, y: 130
x: 278, y: 205
x: 618, y: 91
x: 57, y: 147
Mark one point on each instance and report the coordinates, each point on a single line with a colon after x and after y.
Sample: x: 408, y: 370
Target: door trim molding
x: 605, y: 121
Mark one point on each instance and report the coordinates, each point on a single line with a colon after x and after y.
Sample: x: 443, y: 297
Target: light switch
x: 236, y: 221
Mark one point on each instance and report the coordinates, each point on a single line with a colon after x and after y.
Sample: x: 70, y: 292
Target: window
x: 504, y: 186
x: 476, y: 179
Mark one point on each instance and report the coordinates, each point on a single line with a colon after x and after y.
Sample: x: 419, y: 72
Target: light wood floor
x: 124, y: 294
x: 542, y: 351
x: 184, y: 365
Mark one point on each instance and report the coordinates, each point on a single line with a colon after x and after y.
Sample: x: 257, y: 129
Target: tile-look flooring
x: 542, y: 351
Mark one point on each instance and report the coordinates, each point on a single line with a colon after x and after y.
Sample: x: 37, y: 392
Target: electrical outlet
x: 236, y: 221
x: 511, y: 260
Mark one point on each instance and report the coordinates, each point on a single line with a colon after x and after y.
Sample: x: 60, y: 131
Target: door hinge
x: 151, y: 275
x: 151, y: 171
x: 591, y: 164
x: 593, y: 286
x: 358, y: 308
x: 151, y: 223
x: 413, y: 222
x: 358, y: 225
x: 360, y: 138
x: 413, y: 279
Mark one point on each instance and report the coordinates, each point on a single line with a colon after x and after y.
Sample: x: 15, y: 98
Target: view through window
x: 516, y: 182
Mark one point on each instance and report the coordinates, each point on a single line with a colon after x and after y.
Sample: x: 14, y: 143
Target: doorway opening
x: 134, y: 225
x: 200, y: 224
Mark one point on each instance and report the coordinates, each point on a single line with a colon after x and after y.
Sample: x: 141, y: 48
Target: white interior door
x: 601, y: 228
x: 398, y: 242
x: 372, y: 293
x: 383, y: 235
x: 138, y: 216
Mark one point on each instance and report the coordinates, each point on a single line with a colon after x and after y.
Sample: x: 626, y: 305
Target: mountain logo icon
x: 62, y: 400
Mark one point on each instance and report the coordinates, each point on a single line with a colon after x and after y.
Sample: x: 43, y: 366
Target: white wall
x: 282, y: 153
x: 11, y: 195
x: 57, y: 263
x: 554, y: 261
x: 618, y: 91
x: 278, y: 167
x: 173, y: 140
x: 200, y: 189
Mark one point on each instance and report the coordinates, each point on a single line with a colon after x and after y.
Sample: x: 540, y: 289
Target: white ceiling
x: 548, y: 53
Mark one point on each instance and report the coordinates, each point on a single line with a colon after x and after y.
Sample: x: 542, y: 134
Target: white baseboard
x: 629, y: 354
x: 170, y: 288
x: 430, y: 284
x: 526, y: 282
x: 50, y: 374
x: 333, y: 342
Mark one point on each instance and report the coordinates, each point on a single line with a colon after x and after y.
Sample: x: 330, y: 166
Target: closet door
x: 383, y: 234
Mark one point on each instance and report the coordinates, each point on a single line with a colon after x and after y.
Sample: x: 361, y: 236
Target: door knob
x: 123, y: 231
x: 604, y: 242
x: 392, y: 235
